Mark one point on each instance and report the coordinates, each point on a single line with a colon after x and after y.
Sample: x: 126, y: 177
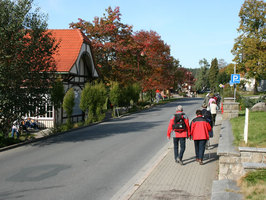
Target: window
x: 47, y: 109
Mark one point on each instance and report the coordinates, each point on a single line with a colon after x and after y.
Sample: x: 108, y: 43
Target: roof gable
x: 71, y: 41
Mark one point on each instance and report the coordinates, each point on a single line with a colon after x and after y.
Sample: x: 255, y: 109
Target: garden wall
x: 235, y: 162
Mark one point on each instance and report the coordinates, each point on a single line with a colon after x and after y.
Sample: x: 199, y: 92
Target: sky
x: 194, y: 29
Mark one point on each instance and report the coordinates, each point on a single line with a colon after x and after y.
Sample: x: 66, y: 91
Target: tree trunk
x: 255, y: 90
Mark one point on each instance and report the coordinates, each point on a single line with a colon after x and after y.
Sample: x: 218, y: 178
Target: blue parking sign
x: 235, y: 78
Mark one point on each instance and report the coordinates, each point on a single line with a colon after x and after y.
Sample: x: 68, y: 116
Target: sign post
x: 235, y: 78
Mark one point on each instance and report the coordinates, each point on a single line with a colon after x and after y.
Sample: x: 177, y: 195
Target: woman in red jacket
x: 199, y: 131
x: 179, y: 135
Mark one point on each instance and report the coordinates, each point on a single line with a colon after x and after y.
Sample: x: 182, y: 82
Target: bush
x: 93, y: 101
x: 183, y: 94
x: 149, y: 95
x: 122, y: 96
x: 115, y: 93
x: 247, y: 102
x: 6, y: 141
x: 143, y: 103
x: 134, y: 91
x: 68, y: 104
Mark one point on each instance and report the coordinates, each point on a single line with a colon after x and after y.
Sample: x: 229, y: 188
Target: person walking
x: 208, y: 116
x: 211, y: 99
x: 213, y: 108
x: 200, y: 134
x: 15, y: 129
x: 179, y: 126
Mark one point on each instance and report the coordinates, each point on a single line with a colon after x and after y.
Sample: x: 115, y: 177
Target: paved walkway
x: 170, y: 180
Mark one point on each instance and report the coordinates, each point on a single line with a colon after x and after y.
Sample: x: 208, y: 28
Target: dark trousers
x: 182, y: 142
x: 199, y: 148
x: 213, y: 119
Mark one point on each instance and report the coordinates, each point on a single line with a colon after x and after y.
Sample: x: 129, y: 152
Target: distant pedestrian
x: 157, y: 96
x: 23, y: 126
x: 211, y: 99
x: 208, y: 116
x: 200, y: 134
x: 213, y: 109
x: 15, y: 129
x: 218, y: 102
x: 179, y: 127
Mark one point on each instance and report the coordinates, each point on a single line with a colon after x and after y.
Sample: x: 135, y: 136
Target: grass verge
x: 253, y: 185
x: 10, y: 141
x: 256, y: 129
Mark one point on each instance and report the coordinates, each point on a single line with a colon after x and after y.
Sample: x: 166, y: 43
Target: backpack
x: 179, y: 123
x: 207, y: 115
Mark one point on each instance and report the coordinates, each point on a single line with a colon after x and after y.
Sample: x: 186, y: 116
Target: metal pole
x: 234, y: 84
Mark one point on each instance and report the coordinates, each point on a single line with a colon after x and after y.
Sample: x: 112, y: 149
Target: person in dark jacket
x: 199, y: 128
x: 208, y: 116
x: 179, y: 136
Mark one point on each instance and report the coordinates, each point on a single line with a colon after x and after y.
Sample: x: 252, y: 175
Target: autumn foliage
x: 129, y: 57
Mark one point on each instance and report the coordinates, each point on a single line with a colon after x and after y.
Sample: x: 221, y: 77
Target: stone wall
x: 230, y: 108
x: 252, y: 154
x: 236, y: 162
x: 230, y: 167
x: 235, y: 166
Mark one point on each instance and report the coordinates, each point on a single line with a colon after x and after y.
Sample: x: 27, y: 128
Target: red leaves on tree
x: 128, y: 57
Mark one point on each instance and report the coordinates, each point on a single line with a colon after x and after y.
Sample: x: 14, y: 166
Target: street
x: 89, y: 163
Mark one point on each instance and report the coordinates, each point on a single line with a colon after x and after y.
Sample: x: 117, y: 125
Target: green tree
x: 26, y: 61
x: 57, y: 93
x: 213, y: 75
x: 68, y: 104
x: 57, y: 96
x: 129, y: 93
x: 115, y: 94
x: 202, y: 82
x: 223, y: 77
x: 93, y: 99
x: 135, y: 92
x: 249, y: 48
x: 119, y: 95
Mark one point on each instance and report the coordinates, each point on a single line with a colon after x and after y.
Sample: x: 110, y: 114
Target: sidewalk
x: 170, y: 180
x: 38, y: 135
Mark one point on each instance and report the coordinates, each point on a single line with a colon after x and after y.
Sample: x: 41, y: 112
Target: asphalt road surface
x: 91, y: 163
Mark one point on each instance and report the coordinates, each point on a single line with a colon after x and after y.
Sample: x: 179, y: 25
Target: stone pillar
x: 230, y: 107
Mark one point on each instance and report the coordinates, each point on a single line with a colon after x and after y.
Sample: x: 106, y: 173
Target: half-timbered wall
x: 82, y: 72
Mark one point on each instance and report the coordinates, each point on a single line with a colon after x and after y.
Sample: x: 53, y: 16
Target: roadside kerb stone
x: 226, y: 147
x: 225, y: 190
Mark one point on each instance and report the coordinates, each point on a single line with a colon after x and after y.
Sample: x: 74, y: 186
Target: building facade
x: 75, y: 66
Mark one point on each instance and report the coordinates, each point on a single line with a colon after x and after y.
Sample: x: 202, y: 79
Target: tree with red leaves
x: 111, y: 41
x: 157, y: 68
x: 128, y: 57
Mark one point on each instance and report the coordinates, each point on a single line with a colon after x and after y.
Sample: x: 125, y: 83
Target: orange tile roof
x: 71, y: 41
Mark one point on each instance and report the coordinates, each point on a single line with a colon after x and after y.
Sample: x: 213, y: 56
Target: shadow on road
x: 124, y: 125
